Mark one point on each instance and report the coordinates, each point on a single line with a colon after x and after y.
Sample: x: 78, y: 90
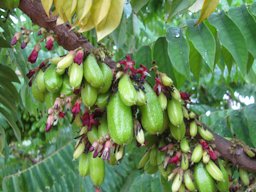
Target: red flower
x: 158, y: 87
x: 143, y: 71
x: 212, y: 154
x: 184, y: 96
x: 79, y: 57
x: 61, y: 114
x: 128, y: 64
x: 49, y: 42
x: 76, y: 108
x: 88, y: 120
x: 30, y: 73
x: 204, y: 144
x: 34, y: 54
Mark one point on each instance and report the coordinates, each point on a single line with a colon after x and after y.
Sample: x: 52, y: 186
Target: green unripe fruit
x: 83, y: 166
x: 175, y: 113
x: 53, y: 81
x: 75, y: 75
x: 107, y: 78
x: 50, y: 99
x: 204, y: 181
x: 223, y: 186
x: 150, y: 169
x: 89, y: 95
x: 151, y: 113
x: 102, y: 100
x: 37, y: 94
x: 141, y: 98
x: 66, y: 88
x: 120, y: 121
x: 197, y: 154
x: 92, y: 72
x: 97, y: 170
x: 103, y: 127
x: 127, y: 92
x: 40, y: 81
x: 178, y: 133
x: 162, y: 100
x: 93, y: 135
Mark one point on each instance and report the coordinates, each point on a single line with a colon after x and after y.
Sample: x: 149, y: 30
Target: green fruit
x: 193, y: 129
x: 150, y: 169
x: 89, y: 95
x: 40, y: 81
x: 37, y: 94
x: 197, y: 154
x: 120, y: 121
x: 102, y: 100
x: 66, y: 88
x: 50, y: 99
x: 103, y: 128
x: 244, y: 176
x: 144, y: 160
x: 174, y: 109
x: 178, y: 133
x: 204, y: 181
x: 141, y: 98
x: 66, y: 61
x: 214, y: 171
x: 97, y: 170
x: 153, y: 156
x: 93, y: 135
x: 83, y: 166
x: 223, y: 186
x: 107, y: 78
x: 151, y: 113
x: 127, y: 92
x: 53, y: 81
x: 184, y: 145
x: 92, y: 72
x: 162, y: 100
x: 75, y: 75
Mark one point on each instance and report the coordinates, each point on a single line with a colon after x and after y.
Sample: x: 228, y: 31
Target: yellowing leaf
x: 47, y: 4
x: 67, y: 10
x: 100, y: 10
x: 110, y: 23
x: 208, y: 7
x: 86, y: 8
x: 86, y: 26
x: 73, y: 7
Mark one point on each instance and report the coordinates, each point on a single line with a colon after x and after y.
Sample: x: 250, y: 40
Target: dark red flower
x: 79, y: 57
x: 23, y: 45
x: 76, y: 108
x: 184, y: 96
x: 30, y: 73
x: 88, y: 120
x: 212, y: 154
x: 34, y: 54
x: 61, y: 114
x: 49, y: 42
x: 204, y: 144
x: 128, y: 64
x: 143, y: 71
x: 175, y: 159
x: 158, y: 87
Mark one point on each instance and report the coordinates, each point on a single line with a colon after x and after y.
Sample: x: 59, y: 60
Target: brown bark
x: 71, y: 40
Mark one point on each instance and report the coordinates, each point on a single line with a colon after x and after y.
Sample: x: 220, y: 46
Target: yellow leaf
x: 100, y: 10
x: 67, y: 10
x: 86, y: 8
x: 208, y: 7
x: 87, y: 26
x: 73, y: 7
x: 47, y: 4
x: 110, y: 23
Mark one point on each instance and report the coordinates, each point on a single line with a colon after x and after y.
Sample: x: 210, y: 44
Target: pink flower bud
x: 24, y: 43
x: 15, y: 38
x: 76, y: 108
x: 79, y: 57
x: 34, y: 54
x: 61, y: 114
x: 49, y: 123
x: 184, y: 96
x: 49, y: 42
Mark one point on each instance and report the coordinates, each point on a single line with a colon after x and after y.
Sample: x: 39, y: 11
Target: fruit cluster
x: 113, y: 107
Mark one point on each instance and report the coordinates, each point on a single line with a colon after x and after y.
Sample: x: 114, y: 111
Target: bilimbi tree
x: 132, y: 81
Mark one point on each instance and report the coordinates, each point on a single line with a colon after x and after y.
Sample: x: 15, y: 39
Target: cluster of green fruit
x: 114, y: 107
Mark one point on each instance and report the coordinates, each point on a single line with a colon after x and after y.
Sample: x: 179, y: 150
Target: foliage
x: 211, y: 60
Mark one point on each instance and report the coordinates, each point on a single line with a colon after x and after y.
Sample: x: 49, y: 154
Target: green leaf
x: 176, y: 6
x: 143, y: 56
x: 8, y: 74
x: 249, y: 114
x: 247, y: 25
x: 203, y: 40
x: 231, y: 38
x: 160, y: 56
x: 11, y: 121
x: 195, y: 62
x: 137, y: 5
x: 178, y: 51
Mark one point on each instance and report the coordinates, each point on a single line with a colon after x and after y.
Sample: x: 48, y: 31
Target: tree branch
x: 71, y: 40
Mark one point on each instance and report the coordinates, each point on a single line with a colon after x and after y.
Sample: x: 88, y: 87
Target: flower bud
x: 24, y: 43
x: 34, y: 54
x: 79, y: 57
x: 15, y: 38
x: 49, y: 42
